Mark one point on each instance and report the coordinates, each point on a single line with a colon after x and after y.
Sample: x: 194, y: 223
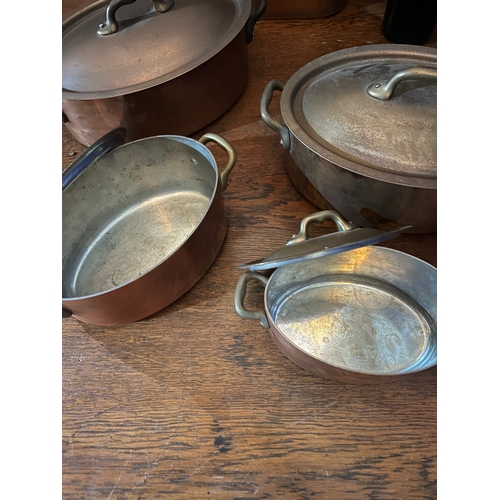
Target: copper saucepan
x: 360, y: 126
x: 142, y: 222
x: 153, y: 67
x: 368, y: 314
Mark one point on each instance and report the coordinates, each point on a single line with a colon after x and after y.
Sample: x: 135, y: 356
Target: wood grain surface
x: 198, y: 402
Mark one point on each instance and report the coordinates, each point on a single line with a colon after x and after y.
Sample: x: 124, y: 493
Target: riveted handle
x: 252, y: 20
x: 110, y: 26
x: 107, y: 142
x: 239, y: 298
x: 265, y: 100
x: 383, y: 90
x: 342, y: 224
x: 231, y: 153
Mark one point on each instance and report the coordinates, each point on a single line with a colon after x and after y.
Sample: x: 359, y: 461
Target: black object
x: 106, y: 143
x: 409, y: 21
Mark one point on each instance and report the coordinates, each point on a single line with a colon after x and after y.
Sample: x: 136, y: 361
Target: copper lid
x: 329, y: 106
x: 149, y: 47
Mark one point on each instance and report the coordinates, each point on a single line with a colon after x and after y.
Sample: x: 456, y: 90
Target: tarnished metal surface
x: 367, y: 202
x: 135, y: 241
x: 301, y: 248
x: 366, y: 315
x: 370, y: 310
x: 358, y: 324
x: 140, y: 226
x: 373, y: 161
x: 151, y: 48
x: 395, y: 136
x: 327, y: 106
x: 180, y: 106
x: 109, y: 141
x: 160, y: 73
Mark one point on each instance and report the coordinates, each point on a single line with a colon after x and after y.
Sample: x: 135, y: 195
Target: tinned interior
x: 370, y: 310
x: 131, y: 209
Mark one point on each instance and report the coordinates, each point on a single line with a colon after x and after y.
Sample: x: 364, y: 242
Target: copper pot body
x: 162, y: 285
x: 319, y: 367
x: 365, y: 201
x: 141, y: 225
x: 372, y: 159
x: 180, y: 106
x: 368, y: 315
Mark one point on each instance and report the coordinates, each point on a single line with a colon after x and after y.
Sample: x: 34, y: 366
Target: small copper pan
x: 141, y: 224
x: 363, y: 315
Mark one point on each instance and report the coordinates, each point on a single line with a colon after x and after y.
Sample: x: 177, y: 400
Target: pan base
x: 134, y: 242
x: 358, y: 324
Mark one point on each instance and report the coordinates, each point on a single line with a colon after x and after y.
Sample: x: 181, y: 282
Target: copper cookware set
x: 143, y: 211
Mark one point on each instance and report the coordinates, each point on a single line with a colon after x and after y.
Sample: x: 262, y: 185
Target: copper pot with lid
x: 153, y: 67
x: 360, y: 125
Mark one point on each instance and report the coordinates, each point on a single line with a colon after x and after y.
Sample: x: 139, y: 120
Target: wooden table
x: 197, y: 402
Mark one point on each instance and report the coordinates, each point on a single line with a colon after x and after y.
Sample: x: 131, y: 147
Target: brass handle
x: 231, y: 153
x: 265, y: 100
x: 383, y: 91
x: 239, y: 298
x: 342, y: 224
x: 110, y: 26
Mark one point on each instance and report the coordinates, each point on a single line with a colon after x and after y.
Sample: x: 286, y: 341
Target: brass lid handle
x: 110, y: 26
x: 383, y: 91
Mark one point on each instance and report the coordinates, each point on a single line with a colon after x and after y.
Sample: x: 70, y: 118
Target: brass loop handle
x: 239, y: 298
x: 383, y: 91
x: 265, y: 100
x: 231, y: 153
x: 342, y: 224
x: 110, y: 26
